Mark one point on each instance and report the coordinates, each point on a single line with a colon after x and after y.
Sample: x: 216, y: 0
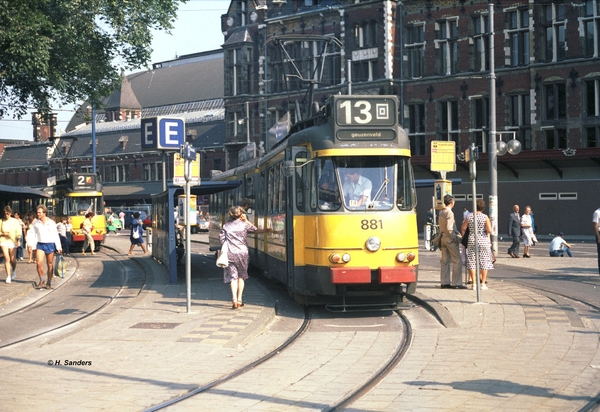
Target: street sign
x: 190, y: 152
x: 162, y: 133
x: 179, y: 170
x: 443, y: 156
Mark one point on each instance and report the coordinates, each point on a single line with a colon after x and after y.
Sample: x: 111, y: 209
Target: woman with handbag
x: 233, y: 237
x: 136, y: 237
x: 478, y: 224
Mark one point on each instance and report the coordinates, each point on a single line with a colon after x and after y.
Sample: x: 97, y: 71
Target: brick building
x: 436, y: 57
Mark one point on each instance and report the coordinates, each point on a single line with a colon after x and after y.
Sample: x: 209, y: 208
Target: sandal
x: 130, y: 254
x: 41, y: 284
x: 235, y: 305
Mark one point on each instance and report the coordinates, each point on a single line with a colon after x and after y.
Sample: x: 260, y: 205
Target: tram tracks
x: 317, y: 372
x: 69, y: 303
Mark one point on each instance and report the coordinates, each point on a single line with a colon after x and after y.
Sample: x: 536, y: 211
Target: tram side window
x: 271, y: 191
x: 300, y: 179
x: 328, y: 189
x: 405, y: 197
x: 282, y: 188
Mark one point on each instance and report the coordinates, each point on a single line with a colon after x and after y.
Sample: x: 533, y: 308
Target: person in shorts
x: 48, y: 243
x: 10, y: 238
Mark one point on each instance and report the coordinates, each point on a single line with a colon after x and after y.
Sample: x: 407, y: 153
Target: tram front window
x: 368, y: 183
x: 81, y: 205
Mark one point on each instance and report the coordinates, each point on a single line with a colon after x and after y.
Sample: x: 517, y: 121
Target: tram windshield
x: 367, y: 183
x: 79, y: 206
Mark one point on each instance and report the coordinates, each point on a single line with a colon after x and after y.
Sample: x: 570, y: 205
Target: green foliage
x: 73, y: 50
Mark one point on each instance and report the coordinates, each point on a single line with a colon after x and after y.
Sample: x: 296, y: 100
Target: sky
x: 197, y: 29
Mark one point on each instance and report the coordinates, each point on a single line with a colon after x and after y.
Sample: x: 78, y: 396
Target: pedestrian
x: 465, y: 213
x: 87, y: 227
x: 558, y: 246
x: 527, y: 231
x: 514, y: 231
x: 235, y: 233
x: 47, y: 244
x: 30, y: 239
x: 484, y: 246
x: 10, y: 238
x: 122, y: 218
x: 61, y: 227
x: 69, y: 228
x: 450, y: 261
x: 136, y: 235
x: 596, y: 223
x: 20, y: 246
x: 534, y: 228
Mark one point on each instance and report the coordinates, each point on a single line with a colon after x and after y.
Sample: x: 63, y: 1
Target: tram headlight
x: 373, y: 244
x: 405, y: 257
x: 400, y: 257
x: 346, y: 257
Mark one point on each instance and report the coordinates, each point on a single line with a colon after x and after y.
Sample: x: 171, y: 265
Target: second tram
x: 338, y: 196
x: 72, y: 197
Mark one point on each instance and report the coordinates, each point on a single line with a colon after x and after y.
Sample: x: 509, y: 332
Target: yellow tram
x: 339, y: 196
x: 72, y: 197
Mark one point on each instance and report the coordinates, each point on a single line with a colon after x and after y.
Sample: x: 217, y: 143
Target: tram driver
x: 329, y: 196
x: 357, y: 189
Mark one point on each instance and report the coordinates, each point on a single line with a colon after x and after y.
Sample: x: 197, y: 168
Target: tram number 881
x: 371, y: 224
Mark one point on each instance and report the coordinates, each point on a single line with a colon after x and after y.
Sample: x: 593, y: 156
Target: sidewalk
x: 516, y: 351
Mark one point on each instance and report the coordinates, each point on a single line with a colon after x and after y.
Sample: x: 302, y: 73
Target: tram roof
x: 20, y: 192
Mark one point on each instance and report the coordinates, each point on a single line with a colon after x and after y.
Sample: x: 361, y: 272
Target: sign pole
x: 188, y: 254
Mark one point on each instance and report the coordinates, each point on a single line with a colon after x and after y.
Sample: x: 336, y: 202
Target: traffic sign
x: 179, y: 170
x: 162, y: 133
x: 443, y: 156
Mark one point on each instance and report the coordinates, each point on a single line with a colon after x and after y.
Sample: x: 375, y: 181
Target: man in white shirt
x: 558, y: 246
x: 357, y: 189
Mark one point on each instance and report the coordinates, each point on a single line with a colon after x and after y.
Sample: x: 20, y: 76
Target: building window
x: 480, y: 122
x: 415, y: 50
x: 556, y: 138
x: 591, y: 27
x: 238, y: 71
x: 447, y: 47
x: 119, y: 173
x: 86, y: 169
x: 448, y: 121
x: 519, y: 118
x: 366, y: 35
x: 592, y: 137
x: 554, y: 24
x: 556, y: 101
x: 592, y: 98
x: 416, y: 129
x: 518, y: 35
x: 152, y: 172
x: 481, y: 43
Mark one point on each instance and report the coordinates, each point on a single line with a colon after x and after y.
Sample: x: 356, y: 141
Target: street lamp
x: 496, y: 148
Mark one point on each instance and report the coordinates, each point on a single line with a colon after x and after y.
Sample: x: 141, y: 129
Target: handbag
x: 222, y: 260
x: 60, y: 266
x: 465, y: 239
x: 136, y: 233
x: 437, y: 240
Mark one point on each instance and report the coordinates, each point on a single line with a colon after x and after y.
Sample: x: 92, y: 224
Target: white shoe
x: 484, y: 287
x: 14, y: 274
x: 8, y: 279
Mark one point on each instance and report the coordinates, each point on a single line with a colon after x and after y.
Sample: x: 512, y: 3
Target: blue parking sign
x: 171, y: 133
x: 162, y: 133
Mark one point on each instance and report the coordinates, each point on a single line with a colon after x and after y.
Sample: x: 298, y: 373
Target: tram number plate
x: 372, y: 224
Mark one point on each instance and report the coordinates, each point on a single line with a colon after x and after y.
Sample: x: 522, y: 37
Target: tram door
x: 296, y: 216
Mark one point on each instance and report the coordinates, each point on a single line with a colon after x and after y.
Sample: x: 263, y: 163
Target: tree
x: 73, y: 50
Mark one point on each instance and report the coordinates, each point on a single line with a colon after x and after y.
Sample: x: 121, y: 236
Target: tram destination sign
x: 365, y: 111
x: 83, y: 181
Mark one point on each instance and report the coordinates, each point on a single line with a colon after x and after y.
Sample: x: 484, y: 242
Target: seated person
x: 357, y: 189
x: 558, y: 246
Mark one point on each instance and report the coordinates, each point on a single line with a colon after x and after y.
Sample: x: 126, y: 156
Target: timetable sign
x: 162, y: 133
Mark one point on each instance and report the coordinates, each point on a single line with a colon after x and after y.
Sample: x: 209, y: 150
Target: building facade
x: 282, y: 56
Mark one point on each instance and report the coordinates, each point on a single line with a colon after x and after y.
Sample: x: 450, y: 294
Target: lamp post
x: 496, y: 148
